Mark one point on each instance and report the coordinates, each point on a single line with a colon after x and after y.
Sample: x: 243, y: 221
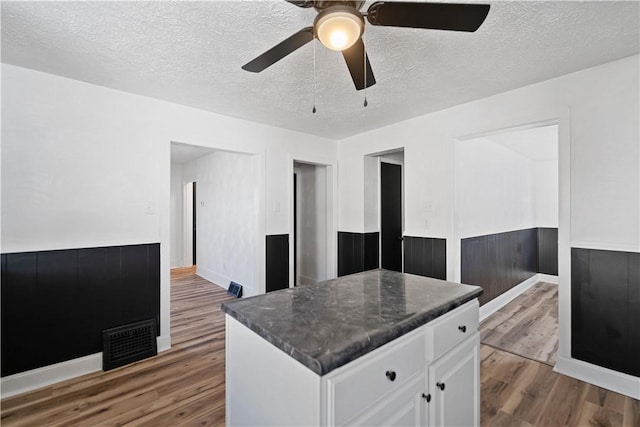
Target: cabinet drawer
x: 359, y: 384
x: 451, y: 329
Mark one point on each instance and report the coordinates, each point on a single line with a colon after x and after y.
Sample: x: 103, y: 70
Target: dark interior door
x: 194, y: 208
x: 295, y: 229
x: 391, y: 215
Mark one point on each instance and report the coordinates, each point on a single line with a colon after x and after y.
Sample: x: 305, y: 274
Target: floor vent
x: 128, y: 343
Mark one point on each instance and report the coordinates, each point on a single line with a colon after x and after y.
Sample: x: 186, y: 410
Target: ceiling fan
x: 339, y: 26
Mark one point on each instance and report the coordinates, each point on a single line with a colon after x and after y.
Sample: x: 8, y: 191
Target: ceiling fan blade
x: 435, y: 16
x: 280, y: 50
x: 301, y: 3
x: 354, y: 57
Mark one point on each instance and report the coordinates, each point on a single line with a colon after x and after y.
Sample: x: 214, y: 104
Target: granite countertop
x: 328, y: 325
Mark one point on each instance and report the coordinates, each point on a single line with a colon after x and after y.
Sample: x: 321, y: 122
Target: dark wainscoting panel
x: 357, y: 252
x: 498, y: 262
x: 277, y: 269
x: 350, y: 253
x: 371, y: 251
x: 425, y: 256
x: 55, y: 304
x: 605, y: 309
x: 548, y: 251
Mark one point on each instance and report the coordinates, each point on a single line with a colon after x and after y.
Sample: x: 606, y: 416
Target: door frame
x: 331, y: 210
x: 563, y: 121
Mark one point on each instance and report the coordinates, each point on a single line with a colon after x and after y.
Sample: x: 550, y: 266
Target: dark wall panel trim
x: 277, y: 262
x: 498, y: 262
x: 425, y: 256
x: 548, y: 251
x: 55, y: 304
x: 605, y: 309
x: 357, y: 252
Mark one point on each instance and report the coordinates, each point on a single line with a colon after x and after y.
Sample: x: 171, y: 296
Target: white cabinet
x: 429, y: 376
x: 405, y: 407
x: 435, y: 373
x: 454, y: 384
x: 381, y: 385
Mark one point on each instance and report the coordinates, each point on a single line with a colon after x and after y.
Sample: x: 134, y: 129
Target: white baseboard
x: 47, y: 375
x: 36, y: 378
x: 164, y: 343
x: 597, y: 375
x: 222, y: 280
x: 500, y: 301
x: 548, y: 278
x: 212, y: 276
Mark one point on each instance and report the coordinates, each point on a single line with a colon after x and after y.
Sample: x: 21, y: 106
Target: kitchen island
x: 372, y: 348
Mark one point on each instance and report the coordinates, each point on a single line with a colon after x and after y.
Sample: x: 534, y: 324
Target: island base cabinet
x: 454, y: 384
x: 406, y: 407
x: 394, y: 385
x: 264, y: 385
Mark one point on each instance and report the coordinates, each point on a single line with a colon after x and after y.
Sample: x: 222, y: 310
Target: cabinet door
x: 405, y: 407
x: 454, y: 384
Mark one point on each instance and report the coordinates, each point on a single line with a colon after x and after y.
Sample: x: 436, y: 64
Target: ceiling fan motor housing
x: 321, y: 5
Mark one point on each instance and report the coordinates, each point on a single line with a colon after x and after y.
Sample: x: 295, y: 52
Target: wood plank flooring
x: 182, y: 386
x: 527, y: 326
x: 185, y: 385
x: 516, y: 391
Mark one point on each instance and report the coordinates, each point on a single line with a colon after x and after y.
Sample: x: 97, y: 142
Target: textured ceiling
x: 191, y: 53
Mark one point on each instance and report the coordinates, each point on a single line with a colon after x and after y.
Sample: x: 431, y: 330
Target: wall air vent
x: 128, y: 343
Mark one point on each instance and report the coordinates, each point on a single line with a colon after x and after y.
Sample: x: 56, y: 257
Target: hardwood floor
x: 527, y: 326
x: 516, y: 391
x: 182, y: 386
x: 185, y: 385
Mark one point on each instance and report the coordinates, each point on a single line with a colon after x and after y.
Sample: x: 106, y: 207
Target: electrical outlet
x: 428, y: 207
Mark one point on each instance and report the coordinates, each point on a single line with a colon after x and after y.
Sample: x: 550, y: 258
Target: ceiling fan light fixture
x: 338, y: 27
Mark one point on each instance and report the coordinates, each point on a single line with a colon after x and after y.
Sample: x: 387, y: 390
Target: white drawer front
x: 449, y: 330
x: 359, y: 384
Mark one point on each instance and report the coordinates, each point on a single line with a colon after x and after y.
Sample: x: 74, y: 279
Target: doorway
x: 310, y: 223
x: 506, y: 227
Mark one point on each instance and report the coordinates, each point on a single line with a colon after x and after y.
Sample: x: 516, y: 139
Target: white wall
x: 597, y: 111
x: 371, y: 194
x: 81, y: 164
x: 495, y: 189
x: 176, y: 206
x: 602, y: 103
x: 312, y: 223
x: 227, y: 208
x: 546, y: 176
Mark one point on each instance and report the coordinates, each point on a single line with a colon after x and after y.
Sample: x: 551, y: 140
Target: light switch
x: 149, y: 207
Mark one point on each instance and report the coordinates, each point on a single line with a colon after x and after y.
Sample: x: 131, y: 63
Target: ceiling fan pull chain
x: 364, y: 54
x: 314, y: 75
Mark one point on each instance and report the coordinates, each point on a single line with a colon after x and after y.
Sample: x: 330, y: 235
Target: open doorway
x: 216, y: 199
x: 506, y: 227
x: 310, y: 218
